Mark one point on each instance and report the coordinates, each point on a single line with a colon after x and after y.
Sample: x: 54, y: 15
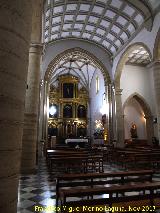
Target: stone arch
x: 156, y: 50
x: 66, y: 53
x: 80, y: 52
x: 123, y: 59
x: 147, y: 113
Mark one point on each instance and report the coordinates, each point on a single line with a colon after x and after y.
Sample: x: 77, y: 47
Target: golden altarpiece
x: 70, y: 103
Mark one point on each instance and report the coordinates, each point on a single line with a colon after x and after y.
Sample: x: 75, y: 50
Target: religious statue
x: 133, y: 131
x: 68, y: 90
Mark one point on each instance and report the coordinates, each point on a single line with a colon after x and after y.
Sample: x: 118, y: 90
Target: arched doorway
x: 138, y: 113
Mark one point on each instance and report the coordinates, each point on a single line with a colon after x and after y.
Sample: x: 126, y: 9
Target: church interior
x: 79, y: 106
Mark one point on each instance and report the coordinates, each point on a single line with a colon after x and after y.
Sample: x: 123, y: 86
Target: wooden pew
x: 111, y: 190
x: 82, y: 162
x: 133, y: 158
x: 68, y: 160
x: 59, y: 153
x: 90, y: 180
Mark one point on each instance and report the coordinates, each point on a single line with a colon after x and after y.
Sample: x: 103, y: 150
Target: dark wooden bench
x: 91, y: 180
x: 62, y: 153
x: 54, y: 152
x: 151, y: 160
x: 82, y: 162
x: 138, y: 159
x: 82, y: 205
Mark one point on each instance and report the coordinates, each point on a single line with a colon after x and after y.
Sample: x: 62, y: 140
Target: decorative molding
x: 118, y: 91
x: 154, y: 63
x: 36, y: 48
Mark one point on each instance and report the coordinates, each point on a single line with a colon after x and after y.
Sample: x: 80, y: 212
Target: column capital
x: 118, y: 91
x: 154, y: 63
x: 36, y: 48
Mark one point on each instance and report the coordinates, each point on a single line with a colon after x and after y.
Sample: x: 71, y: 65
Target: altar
x: 73, y: 142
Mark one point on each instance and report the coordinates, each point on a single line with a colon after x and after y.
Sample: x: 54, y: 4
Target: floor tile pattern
x: 38, y: 190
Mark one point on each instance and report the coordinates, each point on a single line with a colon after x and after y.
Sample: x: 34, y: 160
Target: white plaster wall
x: 138, y: 79
x: 133, y: 113
x: 96, y: 99
x: 55, y: 48
x: 144, y: 36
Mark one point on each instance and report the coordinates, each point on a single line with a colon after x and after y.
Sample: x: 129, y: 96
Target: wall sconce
x: 144, y: 116
x: 155, y: 120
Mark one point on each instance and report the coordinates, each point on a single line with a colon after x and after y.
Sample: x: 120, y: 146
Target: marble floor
x: 38, y: 190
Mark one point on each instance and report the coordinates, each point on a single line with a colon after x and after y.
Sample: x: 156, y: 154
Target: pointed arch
x: 147, y: 113
x: 140, y: 99
x: 80, y: 52
x: 123, y: 60
x: 88, y: 57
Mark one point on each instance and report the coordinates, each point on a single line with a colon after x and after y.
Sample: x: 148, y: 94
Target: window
x: 97, y: 84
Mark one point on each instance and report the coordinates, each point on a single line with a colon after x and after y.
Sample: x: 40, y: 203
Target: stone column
x: 110, y: 116
x: 15, y: 28
x: 156, y: 74
x: 149, y: 128
x: 45, y: 110
x: 90, y: 127
x: 119, y: 118
x: 30, y: 139
x: 40, y: 132
x: 113, y: 113
x: 29, y: 142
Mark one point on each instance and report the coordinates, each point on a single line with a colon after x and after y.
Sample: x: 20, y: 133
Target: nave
x: 38, y: 191
x: 78, y: 71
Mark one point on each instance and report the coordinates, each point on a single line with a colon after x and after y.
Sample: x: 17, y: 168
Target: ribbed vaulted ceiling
x: 75, y: 65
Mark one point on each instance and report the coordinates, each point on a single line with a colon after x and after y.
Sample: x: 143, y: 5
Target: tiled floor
x: 36, y: 190
x: 39, y: 190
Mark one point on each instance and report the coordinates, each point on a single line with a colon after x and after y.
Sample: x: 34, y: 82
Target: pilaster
x: 119, y: 117
x: 156, y: 75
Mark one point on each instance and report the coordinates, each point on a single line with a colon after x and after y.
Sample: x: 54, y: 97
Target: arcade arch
x: 76, y: 54
x: 119, y: 90
x: 137, y: 111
